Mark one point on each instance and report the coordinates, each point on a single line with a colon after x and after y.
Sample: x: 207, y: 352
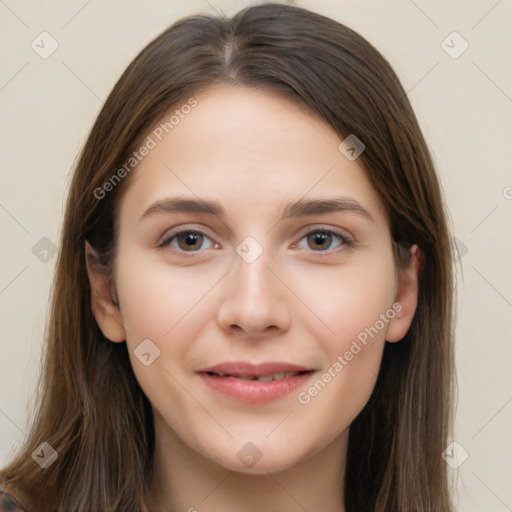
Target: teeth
x: 264, y: 378
x: 276, y: 376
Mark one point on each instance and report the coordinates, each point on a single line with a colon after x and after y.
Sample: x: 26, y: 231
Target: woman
x: 252, y: 308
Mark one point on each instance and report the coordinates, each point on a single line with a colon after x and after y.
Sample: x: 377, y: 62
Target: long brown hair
x: 91, y: 409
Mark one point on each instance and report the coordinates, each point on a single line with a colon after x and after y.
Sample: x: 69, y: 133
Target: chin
x: 261, y: 467
x: 259, y: 458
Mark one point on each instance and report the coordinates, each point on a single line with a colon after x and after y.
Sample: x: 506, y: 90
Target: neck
x: 186, y: 481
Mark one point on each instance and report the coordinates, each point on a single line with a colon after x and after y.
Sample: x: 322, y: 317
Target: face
x: 277, y: 264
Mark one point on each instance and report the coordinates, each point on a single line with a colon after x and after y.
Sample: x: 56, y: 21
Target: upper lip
x: 243, y: 369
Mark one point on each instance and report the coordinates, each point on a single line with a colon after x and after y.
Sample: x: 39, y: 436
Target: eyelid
x: 347, y: 239
x: 336, y: 231
x: 173, y: 232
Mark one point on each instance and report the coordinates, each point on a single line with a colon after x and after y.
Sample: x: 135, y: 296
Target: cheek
x: 357, y: 307
x: 343, y: 301
x: 167, y: 307
x: 156, y: 299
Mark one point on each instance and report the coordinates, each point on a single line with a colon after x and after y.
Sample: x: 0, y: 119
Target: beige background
x: 464, y: 106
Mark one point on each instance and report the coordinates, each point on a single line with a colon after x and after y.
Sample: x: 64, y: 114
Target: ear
x: 406, y: 297
x: 104, y: 303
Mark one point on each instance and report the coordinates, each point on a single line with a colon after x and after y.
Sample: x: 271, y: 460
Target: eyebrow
x: 299, y: 208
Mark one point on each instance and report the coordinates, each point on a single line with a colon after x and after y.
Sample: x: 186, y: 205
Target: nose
x: 254, y: 301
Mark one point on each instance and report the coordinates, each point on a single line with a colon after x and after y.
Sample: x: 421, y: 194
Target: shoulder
x: 9, y: 501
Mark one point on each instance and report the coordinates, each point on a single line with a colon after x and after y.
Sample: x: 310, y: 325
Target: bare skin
x: 303, y: 300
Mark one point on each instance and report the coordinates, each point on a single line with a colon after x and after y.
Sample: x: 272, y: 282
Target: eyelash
x: 345, y: 241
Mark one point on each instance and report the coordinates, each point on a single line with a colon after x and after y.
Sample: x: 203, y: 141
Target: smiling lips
x: 255, y: 384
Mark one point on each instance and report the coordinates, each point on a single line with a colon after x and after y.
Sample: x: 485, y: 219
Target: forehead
x: 247, y: 148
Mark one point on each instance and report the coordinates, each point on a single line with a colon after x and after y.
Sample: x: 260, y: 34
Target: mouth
x: 255, y: 383
x: 262, y: 378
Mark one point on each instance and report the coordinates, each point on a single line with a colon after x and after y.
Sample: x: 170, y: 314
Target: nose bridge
x: 255, y: 300
x: 255, y: 284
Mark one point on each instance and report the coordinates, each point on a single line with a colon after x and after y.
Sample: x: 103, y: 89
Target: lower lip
x: 253, y: 391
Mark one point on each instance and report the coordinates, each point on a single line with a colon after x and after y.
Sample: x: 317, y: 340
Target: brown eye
x: 187, y: 240
x: 319, y: 240
x: 190, y: 240
x: 324, y: 240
